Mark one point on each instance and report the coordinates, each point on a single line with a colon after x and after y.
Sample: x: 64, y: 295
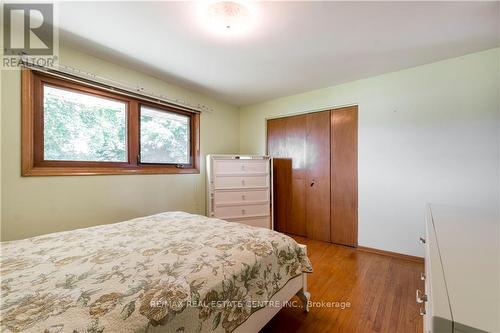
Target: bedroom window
x: 83, y: 127
x: 164, y: 136
x: 73, y: 128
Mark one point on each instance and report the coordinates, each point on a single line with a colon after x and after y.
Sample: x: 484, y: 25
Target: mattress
x: 174, y: 271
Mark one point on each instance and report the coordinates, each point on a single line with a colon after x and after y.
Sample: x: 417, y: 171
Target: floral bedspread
x: 173, y: 271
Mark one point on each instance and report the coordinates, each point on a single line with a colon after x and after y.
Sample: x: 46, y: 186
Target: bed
x: 170, y: 272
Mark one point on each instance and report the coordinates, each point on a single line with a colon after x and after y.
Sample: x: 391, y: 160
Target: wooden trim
x: 195, y: 141
x: 32, y: 159
x: 391, y: 254
x: 27, y: 124
x: 72, y: 86
x: 299, y: 113
x: 133, y: 133
x: 92, y: 171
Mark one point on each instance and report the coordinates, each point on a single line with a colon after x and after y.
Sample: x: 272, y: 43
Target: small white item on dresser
x: 239, y: 189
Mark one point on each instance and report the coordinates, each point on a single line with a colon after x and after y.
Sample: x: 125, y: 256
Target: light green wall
x: 39, y: 205
x: 426, y: 134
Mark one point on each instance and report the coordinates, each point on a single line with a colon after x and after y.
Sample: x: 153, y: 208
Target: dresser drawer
x: 241, y: 182
x: 227, y: 212
x: 225, y: 197
x: 240, y: 166
x: 261, y: 222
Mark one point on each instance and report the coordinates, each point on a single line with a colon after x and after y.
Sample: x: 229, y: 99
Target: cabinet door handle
x: 422, y: 311
x: 421, y: 299
x: 422, y: 276
x: 313, y: 182
x: 422, y: 240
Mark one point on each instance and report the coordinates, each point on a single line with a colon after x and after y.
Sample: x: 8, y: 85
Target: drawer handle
x: 242, y: 182
x: 422, y: 276
x: 422, y: 311
x: 422, y: 240
x: 243, y: 197
x: 421, y: 299
x: 243, y: 211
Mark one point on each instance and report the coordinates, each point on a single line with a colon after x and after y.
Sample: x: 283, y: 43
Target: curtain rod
x: 73, y: 74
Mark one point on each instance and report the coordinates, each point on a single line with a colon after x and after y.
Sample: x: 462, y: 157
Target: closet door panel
x: 344, y: 176
x: 297, y: 218
x: 318, y: 175
x: 295, y: 135
x: 282, y: 178
x: 276, y: 137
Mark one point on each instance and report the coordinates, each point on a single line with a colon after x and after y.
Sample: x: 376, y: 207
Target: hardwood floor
x: 380, y: 289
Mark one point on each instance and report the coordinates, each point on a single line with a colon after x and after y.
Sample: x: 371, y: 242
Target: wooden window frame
x: 32, y: 148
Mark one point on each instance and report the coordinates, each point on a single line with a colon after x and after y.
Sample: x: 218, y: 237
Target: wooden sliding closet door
x: 305, y: 139
x: 318, y: 197
x: 295, y: 132
x: 344, y: 176
x: 318, y: 175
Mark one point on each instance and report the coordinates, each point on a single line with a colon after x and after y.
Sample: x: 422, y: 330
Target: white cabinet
x: 461, y: 270
x: 239, y: 189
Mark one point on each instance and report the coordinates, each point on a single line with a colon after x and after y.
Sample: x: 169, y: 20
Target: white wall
x: 426, y: 134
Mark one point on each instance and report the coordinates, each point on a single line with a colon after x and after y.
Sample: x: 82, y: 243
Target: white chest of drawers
x: 461, y: 271
x: 239, y: 189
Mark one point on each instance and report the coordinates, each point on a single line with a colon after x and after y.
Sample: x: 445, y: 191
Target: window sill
x: 94, y: 171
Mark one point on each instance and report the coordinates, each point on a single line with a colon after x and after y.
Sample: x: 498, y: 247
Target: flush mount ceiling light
x: 229, y: 17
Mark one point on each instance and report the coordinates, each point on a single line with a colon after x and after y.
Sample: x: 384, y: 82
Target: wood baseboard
x: 408, y: 257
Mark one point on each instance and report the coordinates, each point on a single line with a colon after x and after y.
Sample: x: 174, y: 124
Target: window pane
x: 165, y: 137
x: 82, y: 127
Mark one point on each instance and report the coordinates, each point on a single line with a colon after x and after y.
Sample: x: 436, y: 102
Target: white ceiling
x: 295, y: 46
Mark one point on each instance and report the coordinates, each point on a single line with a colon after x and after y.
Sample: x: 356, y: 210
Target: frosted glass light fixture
x: 229, y: 17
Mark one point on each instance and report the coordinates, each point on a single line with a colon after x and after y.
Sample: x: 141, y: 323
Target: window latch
x: 179, y: 166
